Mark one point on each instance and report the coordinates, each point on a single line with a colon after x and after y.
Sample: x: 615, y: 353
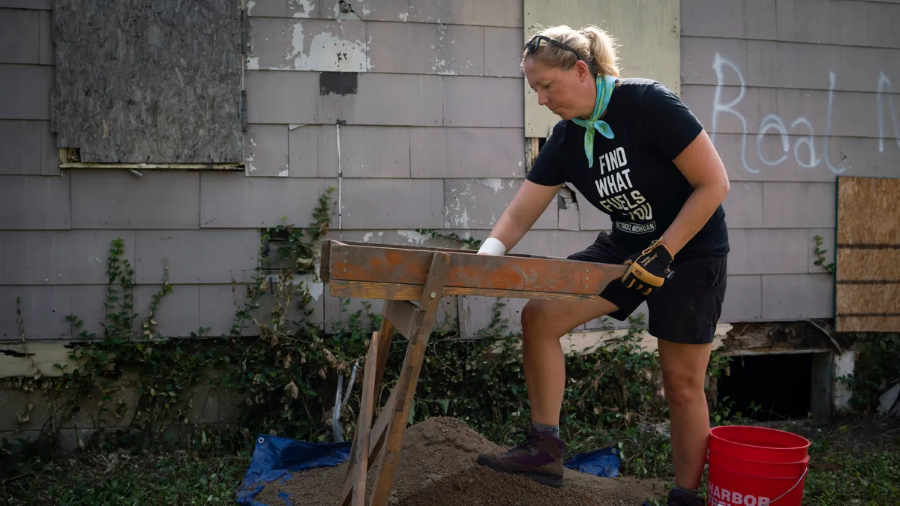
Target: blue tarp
x: 603, y: 462
x: 276, y: 459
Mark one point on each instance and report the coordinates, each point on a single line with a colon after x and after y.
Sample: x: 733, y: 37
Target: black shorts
x: 684, y: 310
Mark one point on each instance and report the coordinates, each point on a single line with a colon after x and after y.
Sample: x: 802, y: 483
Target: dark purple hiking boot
x: 681, y: 498
x: 539, y: 457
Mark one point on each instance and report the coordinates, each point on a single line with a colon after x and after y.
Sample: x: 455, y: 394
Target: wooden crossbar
x: 469, y: 273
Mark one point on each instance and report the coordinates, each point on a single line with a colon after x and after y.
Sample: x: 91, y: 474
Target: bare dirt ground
x: 437, y: 466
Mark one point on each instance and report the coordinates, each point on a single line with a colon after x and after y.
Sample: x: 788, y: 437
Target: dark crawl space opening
x: 779, y: 385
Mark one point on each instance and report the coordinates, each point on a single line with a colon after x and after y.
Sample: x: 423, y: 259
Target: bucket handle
x: 805, y: 471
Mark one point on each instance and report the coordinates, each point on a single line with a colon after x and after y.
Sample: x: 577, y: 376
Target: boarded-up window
x: 868, y: 255
x: 647, y: 32
x: 148, y: 82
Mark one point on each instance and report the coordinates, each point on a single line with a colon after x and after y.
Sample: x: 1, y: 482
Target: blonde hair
x: 595, y: 46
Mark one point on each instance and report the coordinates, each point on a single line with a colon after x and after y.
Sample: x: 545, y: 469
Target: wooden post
x: 409, y: 377
x: 354, y: 490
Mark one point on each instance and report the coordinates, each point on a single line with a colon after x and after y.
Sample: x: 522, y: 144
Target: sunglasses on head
x: 535, y: 43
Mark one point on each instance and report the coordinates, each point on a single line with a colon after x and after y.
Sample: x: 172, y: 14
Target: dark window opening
x: 768, y: 387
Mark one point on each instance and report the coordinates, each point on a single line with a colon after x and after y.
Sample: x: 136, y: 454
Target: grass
x: 855, y: 463
x: 124, y: 479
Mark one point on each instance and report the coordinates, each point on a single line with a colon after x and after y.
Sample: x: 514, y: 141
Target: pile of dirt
x: 437, y: 466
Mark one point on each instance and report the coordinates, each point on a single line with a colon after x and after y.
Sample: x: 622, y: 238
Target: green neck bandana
x: 605, y: 86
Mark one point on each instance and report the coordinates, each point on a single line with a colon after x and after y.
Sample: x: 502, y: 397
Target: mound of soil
x: 437, y: 466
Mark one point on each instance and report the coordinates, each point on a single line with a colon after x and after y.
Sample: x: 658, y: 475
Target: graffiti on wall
x: 805, y: 151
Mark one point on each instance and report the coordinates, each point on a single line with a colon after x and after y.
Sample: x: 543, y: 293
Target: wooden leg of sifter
x: 353, y: 493
x: 404, y: 391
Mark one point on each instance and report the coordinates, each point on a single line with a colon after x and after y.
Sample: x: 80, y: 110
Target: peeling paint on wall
x: 413, y: 237
x: 326, y: 51
x: 495, y: 184
x: 312, y: 44
x: 301, y: 8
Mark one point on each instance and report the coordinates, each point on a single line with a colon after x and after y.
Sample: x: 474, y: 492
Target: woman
x: 636, y: 152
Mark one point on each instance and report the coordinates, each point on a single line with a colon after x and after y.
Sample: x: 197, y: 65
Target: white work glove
x: 492, y: 246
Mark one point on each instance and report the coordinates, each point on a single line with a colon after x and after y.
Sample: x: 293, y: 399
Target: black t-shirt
x: 633, y: 178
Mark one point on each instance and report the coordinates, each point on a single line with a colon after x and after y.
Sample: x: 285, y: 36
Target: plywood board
x: 148, y: 82
x: 867, y: 292
x: 647, y: 31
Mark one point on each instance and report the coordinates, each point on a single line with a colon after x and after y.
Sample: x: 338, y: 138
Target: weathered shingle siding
x: 815, y: 77
x: 433, y: 138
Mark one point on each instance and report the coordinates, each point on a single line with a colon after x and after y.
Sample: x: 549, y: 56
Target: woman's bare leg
x: 544, y: 322
x: 684, y: 370
x: 540, y: 456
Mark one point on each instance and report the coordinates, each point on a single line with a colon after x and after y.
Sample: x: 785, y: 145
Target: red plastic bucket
x: 756, y: 466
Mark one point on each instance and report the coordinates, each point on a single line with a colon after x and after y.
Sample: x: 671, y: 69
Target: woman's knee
x: 532, y: 316
x: 538, y: 321
x: 684, y: 389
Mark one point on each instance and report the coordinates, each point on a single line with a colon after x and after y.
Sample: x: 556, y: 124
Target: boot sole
x: 542, y: 478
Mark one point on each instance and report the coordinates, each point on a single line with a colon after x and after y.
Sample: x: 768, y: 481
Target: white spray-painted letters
x: 805, y: 151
